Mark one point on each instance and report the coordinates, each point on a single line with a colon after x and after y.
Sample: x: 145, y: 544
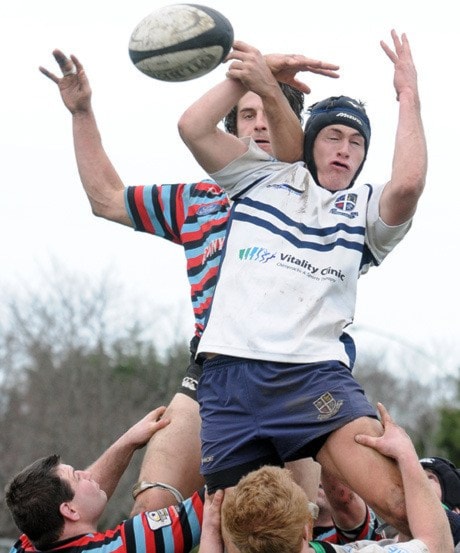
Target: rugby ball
x: 180, y: 42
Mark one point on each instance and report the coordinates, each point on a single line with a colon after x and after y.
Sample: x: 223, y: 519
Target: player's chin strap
x: 140, y: 487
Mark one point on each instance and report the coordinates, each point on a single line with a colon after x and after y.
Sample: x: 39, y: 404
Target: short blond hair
x: 266, y: 512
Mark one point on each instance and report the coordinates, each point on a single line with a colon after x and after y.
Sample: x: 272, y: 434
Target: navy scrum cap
x: 449, y: 478
x: 336, y: 110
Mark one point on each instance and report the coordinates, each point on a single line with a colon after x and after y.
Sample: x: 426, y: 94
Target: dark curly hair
x: 295, y: 99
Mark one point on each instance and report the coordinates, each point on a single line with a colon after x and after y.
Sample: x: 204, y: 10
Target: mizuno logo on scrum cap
x: 348, y: 116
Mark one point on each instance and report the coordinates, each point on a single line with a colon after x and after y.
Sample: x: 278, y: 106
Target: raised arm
x: 111, y: 465
x: 251, y: 68
x: 427, y: 518
x: 261, y: 75
x: 399, y: 199
x: 212, y: 147
x: 101, y: 182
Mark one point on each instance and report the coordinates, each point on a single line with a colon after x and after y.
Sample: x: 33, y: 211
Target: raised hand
x: 405, y: 75
x: 73, y: 85
x: 251, y: 67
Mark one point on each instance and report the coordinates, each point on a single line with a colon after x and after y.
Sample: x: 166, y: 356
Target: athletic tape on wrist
x: 140, y: 487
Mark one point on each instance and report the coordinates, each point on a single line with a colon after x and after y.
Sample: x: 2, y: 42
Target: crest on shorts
x: 327, y: 406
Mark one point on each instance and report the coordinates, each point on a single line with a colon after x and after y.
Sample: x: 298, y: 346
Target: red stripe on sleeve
x: 139, y: 200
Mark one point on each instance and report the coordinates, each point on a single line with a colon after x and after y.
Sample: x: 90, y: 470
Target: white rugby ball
x: 180, y: 42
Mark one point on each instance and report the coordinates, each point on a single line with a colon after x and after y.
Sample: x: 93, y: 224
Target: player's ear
x: 69, y: 512
x: 307, y: 533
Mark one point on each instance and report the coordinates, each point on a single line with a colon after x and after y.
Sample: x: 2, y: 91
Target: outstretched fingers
x: 65, y: 64
x: 77, y: 63
x: 68, y: 66
x: 400, y: 48
x: 48, y: 74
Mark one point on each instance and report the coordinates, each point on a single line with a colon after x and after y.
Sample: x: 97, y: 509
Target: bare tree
x: 75, y: 372
x: 413, y: 402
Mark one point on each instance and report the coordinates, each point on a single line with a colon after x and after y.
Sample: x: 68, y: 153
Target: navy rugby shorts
x: 261, y: 412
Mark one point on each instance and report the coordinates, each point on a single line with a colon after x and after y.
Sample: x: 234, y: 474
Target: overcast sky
x: 44, y: 214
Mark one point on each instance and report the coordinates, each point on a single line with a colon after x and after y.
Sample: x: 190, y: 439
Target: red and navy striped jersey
x: 193, y: 215
x: 170, y: 530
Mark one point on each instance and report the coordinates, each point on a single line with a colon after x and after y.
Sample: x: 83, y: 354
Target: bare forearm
x: 428, y: 524
x: 100, y: 180
x: 198, y: 126
x: 111, y: 465
x: 400, y: 197
x: 410, y: 158
x: 286, y: 133
x: 347, y: 508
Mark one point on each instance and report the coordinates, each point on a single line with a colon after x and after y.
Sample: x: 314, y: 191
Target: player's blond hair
x: 266, y: 512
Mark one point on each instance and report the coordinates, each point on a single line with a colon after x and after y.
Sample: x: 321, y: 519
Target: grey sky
x: 44, y: 213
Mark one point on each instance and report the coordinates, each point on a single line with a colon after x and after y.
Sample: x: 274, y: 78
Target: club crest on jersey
x: 158, y: 519
x: 327, y: 406
x: 345, y: 204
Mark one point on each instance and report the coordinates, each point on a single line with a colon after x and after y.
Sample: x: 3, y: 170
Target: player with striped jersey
x: 58, y: 508
x: 192, y: 215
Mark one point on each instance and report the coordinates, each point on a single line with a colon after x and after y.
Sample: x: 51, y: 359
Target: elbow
x: 193, y: 127
x: 103, y: 210
x: 412, y: 189
x: 186, y: 126
x: 408, y: 186
x: 182, y: 126
x: 98, y: 211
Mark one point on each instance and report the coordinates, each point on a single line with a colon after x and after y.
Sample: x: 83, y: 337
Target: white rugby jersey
x: 294, y: 251
x: 383, y: 546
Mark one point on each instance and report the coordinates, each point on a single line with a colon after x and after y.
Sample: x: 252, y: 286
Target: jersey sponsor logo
x: 158, y: 519
x: 207, y: 209
x: 326, y: 273
x: 327, y: 406
x: 255, y: 253
x: 215, y: 246
x: 345, y: 204
x: 288, y: 261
